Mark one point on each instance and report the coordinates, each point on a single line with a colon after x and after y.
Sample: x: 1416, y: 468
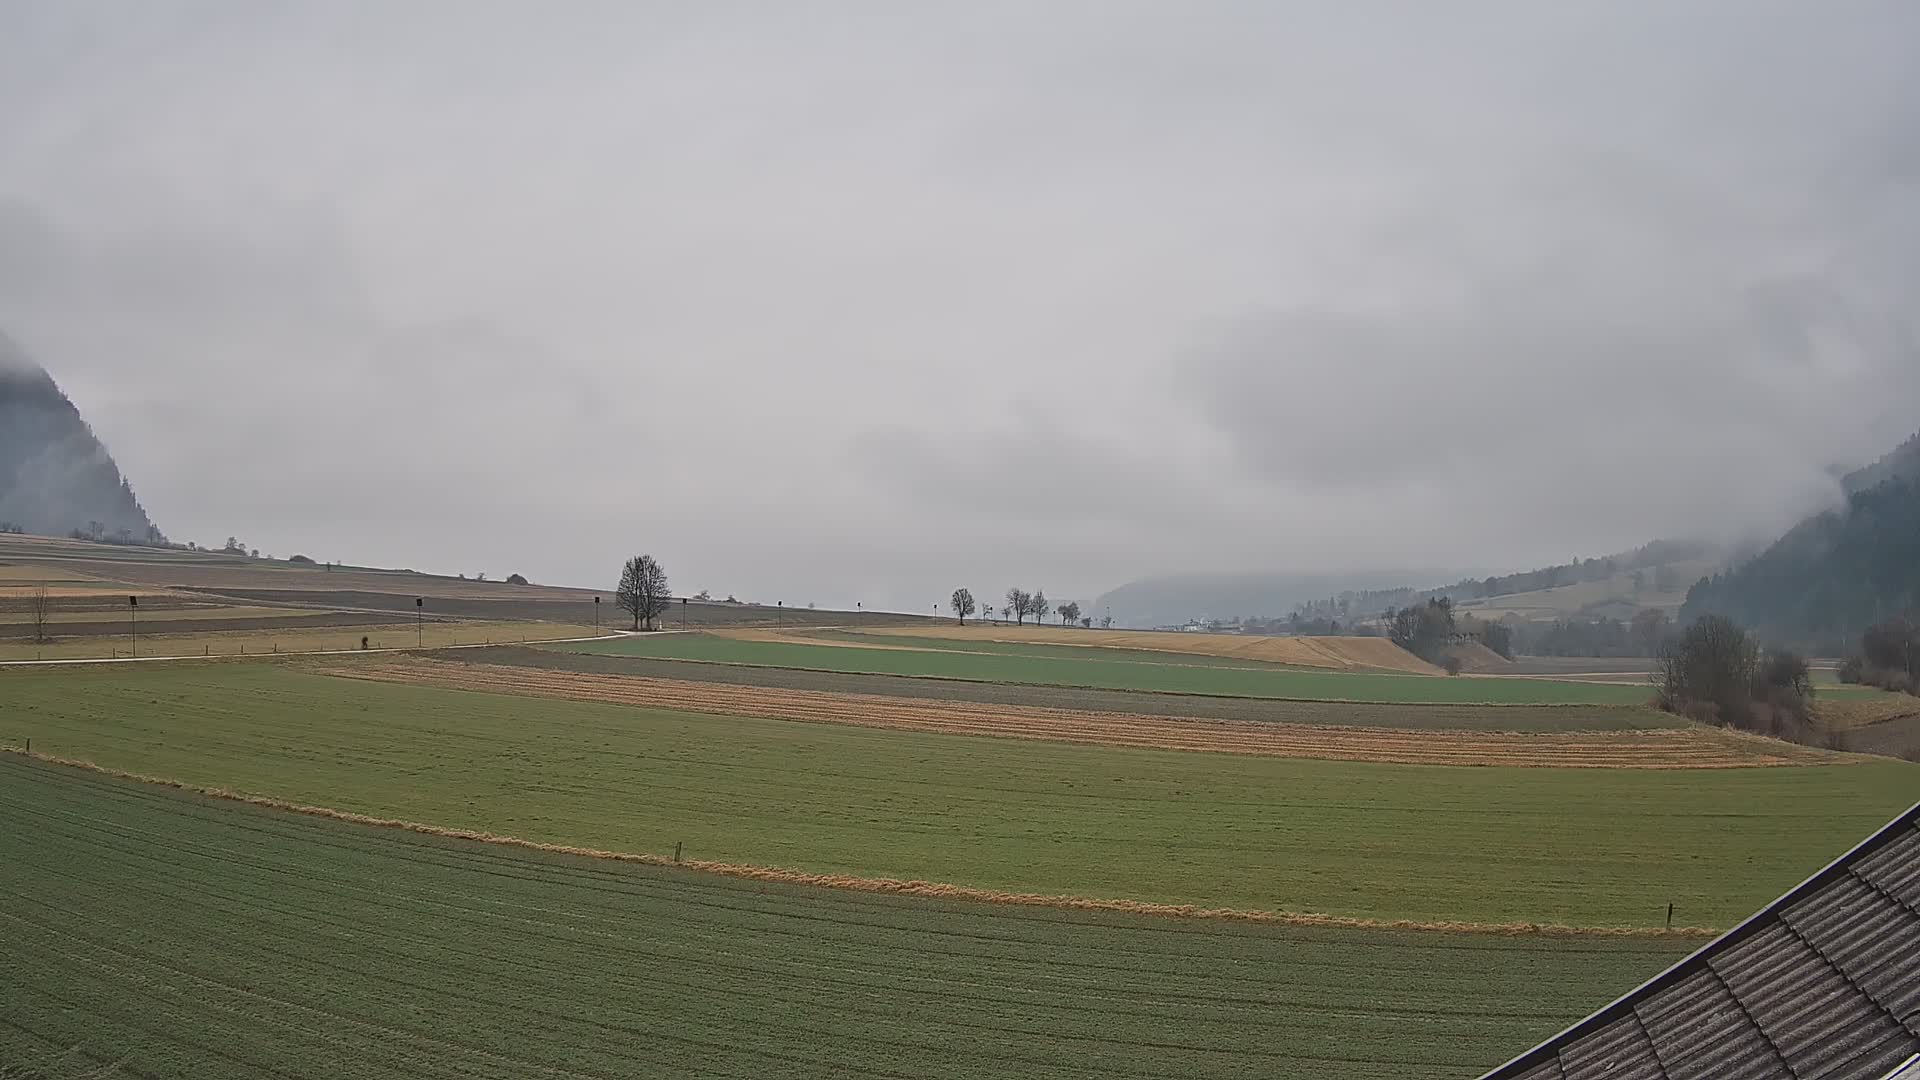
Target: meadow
x: 1097, y: 672
x: 176, y: 936
x: 1401, y: 715
x: 1584, y: 847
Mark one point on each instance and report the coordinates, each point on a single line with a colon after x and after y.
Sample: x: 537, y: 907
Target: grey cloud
x: 846, y: 302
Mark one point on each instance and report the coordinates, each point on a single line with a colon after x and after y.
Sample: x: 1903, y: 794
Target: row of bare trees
x: 1020, y: 605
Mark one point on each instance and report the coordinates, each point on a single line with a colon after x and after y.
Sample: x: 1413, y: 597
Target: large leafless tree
x: 643, y: 590
x: 963, y: 604
x: 1019, y: 602
x: 39, y: 613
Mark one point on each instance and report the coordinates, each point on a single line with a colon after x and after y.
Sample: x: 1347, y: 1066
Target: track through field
x: 1680, y: 748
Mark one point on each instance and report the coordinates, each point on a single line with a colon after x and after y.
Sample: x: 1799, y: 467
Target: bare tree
x: 1037, y: 606
x: 643, y: 590
x: 1069, y: 613
x: 1019, y: 603
x: 963, y: 604
x: 39, y: 611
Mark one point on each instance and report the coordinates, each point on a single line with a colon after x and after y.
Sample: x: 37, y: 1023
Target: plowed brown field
x: 1685, y: 748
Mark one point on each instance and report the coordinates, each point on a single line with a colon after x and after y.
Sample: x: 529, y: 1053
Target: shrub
x: 1853, y: 671
x: 1452, y: 664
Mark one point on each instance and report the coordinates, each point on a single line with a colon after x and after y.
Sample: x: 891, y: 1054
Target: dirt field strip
x: 1332, y: 653
x: 927, y: 889
x: 797, y: 637
x: 1680, y: 748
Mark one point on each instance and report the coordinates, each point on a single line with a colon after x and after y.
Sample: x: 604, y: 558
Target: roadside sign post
x: 596, y: 616
x: 133, y: 616
x: 419, y: 626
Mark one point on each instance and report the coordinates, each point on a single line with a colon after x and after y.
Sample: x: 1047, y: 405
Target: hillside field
x: 1129, y: 673
x: 205, y: 939
x: 1331, y: 653
x: 1584, y: 847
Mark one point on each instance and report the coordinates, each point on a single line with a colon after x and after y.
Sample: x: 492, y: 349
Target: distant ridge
x: 55, y: 476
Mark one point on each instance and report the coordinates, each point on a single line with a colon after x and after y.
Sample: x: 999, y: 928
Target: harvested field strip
x: 881, y: 639
x: 1207, y: 706
x: 1671, y: 749
x: 1864, y: 710
x: 1579, y: 847
x: 203, y: 939
x: 1337, y: 653
x: 1093, y: 672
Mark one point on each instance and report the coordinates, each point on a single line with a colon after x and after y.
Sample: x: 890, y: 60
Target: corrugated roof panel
x: 1875, y: 1062
x: 1872, y: 939
x: 1705, y: 1034
x: 1896, y: 868
x: 1619, y: 1051
x: 1804, y: 1006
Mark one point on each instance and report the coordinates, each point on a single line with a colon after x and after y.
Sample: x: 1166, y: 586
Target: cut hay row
x: 1331, y: 653
x: 1684, y: 748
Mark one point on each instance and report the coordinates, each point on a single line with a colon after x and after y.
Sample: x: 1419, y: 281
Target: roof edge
x: 1623, y: 1004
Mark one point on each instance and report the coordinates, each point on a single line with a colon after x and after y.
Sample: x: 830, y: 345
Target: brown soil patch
x: 929, y: 889
x: 1678, y: 748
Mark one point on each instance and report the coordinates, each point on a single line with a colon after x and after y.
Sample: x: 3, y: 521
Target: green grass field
x: 1169, y: 676
x: 1040, y: 650
x: 176, y: 936
x: 1582, y: 847
x: 1266, y: 710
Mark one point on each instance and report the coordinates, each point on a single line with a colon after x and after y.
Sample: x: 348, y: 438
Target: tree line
x: 1020, y: 605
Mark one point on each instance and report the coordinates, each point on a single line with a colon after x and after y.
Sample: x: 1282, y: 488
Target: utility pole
x: 596, y: 616
x: 133, y: 616
x: 860, y: 614
x: 779, y: 614
x: 419, y: 621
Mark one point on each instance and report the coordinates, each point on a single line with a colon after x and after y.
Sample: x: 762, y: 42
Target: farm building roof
x: 1824, y: 983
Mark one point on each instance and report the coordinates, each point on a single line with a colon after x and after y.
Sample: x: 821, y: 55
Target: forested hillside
x: 1836, y: 573
x: 55, y: 477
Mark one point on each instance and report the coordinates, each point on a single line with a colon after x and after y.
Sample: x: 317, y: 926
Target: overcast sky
x: 838, y: 301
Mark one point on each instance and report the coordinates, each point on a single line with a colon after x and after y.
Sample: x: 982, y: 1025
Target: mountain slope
x: 1835, y: 573
x: 55, y: 477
